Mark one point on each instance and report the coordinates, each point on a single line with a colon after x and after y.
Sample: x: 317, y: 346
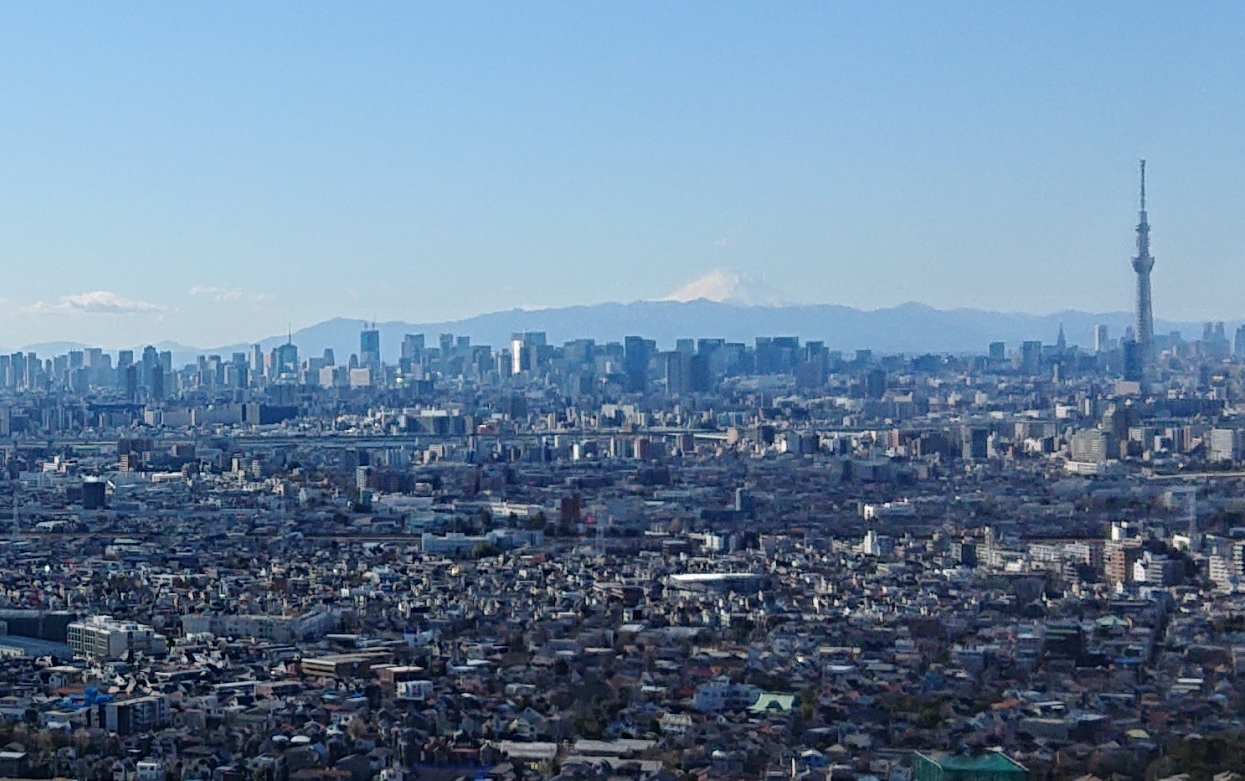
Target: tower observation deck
x: 1143, y: 263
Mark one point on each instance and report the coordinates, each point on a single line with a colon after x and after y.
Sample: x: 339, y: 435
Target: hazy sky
x: 209, y: 172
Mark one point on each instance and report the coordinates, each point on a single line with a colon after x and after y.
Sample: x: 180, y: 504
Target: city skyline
x: 905, y: 329
x: 740, y: 292
x: 622, y: 392
x: 216, y: 174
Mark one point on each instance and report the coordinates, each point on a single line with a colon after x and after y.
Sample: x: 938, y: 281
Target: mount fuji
x: 725, y: 286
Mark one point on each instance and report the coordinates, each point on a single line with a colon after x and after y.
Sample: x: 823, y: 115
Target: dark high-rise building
x: 1142, y: 265
x: 1031, y: 356
x: 686, y: 373
x: 412, y: 347
x: 875, y: 383
x: 698, y: 370
x: 1134, y: 361
x: 369, y: 348
x: 975, y: 443
x: 157, y: 384
x: 93, y: 494
x: 637, y: 352
x: 131, y: 381
x: 707, y: 347
x: 151, y: 360
x: 678, y: 373
x: 125, y: 359
x: 284, y: 359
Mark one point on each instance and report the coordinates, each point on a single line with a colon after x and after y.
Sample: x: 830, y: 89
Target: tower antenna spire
x: 1143, y: 262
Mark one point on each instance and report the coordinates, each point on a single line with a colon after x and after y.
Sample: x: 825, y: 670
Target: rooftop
x: 986, y: 761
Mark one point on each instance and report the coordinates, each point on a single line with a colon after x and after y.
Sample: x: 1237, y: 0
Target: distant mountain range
x: 735, y: 315
x: 907, y: 328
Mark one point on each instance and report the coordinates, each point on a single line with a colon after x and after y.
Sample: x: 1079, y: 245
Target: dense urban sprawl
x: 601, y: 561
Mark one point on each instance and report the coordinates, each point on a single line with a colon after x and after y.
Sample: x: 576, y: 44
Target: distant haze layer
x: 908, y: 328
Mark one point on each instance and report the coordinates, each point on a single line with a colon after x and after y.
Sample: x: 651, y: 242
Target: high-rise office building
x: 369, y: 349
x: 1134, y: 361
x: 637, y: 352
x: 1031, y: 356
x: 524, y: 345
x: 412, y: 347
x: 1101, y: 338
x: 1215, y: 344
x: 256, y: 360
x: 284, y: 359
x: 685, y: 373
x: 678, y: 373
x: 131, y: 381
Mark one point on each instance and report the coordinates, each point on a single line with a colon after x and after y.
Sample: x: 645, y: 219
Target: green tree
x: 485, y: 550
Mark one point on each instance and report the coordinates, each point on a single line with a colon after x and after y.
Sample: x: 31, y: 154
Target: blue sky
x: 211, y: 172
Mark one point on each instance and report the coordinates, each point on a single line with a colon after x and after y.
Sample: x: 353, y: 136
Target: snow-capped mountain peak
x: 730, y: 287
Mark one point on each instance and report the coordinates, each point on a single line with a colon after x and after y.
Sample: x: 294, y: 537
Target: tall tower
x: 1142, y: 264
x: 369, y: 348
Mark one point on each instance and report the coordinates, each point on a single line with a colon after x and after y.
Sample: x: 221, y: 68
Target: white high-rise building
x: 103, y: 637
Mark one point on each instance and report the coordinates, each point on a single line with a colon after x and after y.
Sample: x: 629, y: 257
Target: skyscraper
x: 638, y: 351
x: 1102, y: 338
x: 678, y: 373
x: 412, y: 347
x: 256, y: 360
x: 369, y: 349
x: 284, y: 359
x: 1142, y: 264
x: 524, y: 346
